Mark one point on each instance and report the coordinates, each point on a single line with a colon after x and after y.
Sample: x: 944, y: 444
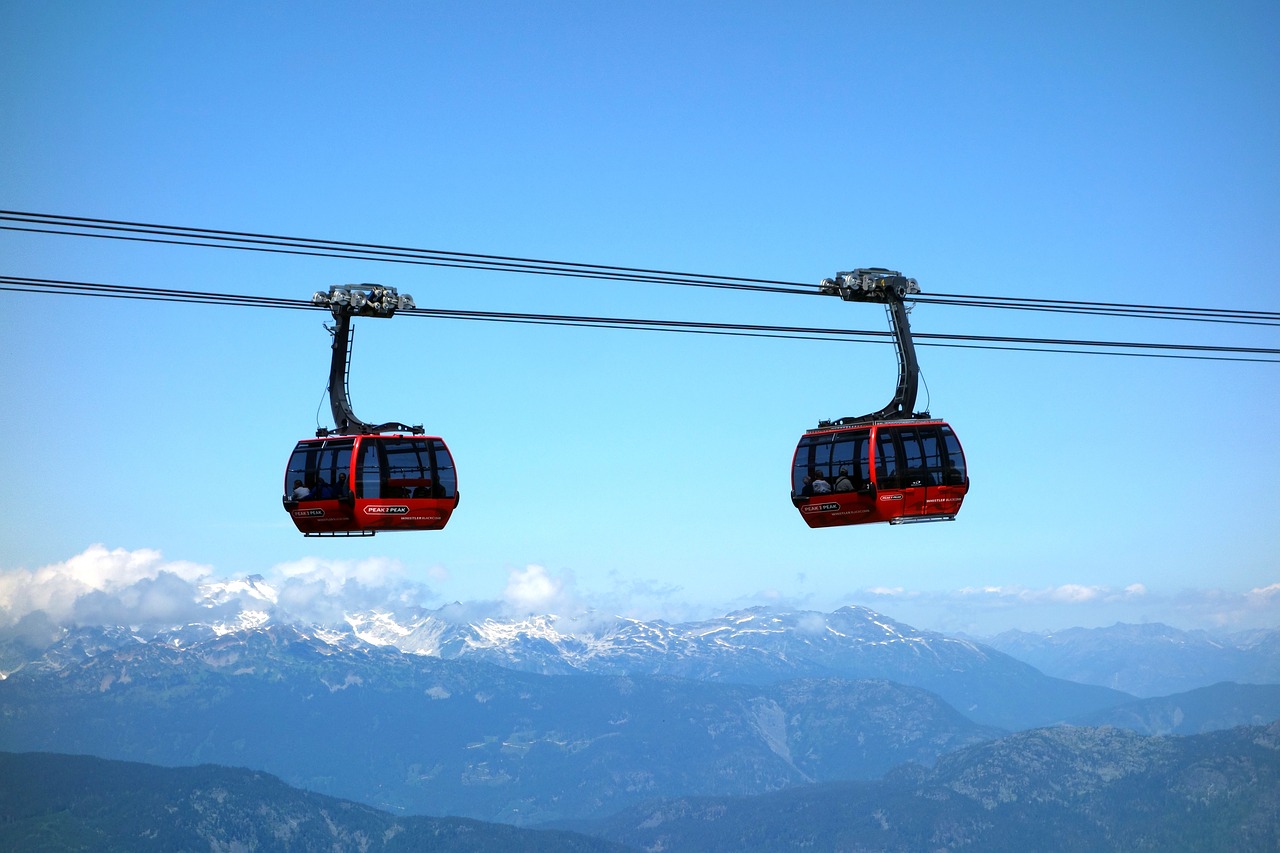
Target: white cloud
x: 140, y: 587
x: 992, y: 608
x: 1076, y: 594
x: 335, y: 574
x: 979, y: 591
x: 1264, y: 596
x: 1068, y: 593
x: 812, y: 623
x: 534, y: 590
x: 322, y: 591
x: 166, y: 599
x: 139, y: 584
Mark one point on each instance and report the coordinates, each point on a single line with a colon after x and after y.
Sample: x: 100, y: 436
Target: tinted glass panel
x: 332, y: 469
x: 406, y: 468
x: 446, y: 476
x: 822, y: 455
x: 369, y: 470
x: 298, y: 472
x: 864, y: 461
x: 912, y: 461
x: 933, y: 453
x: 886, y: 460
x: 826, y: 455
x: 843, y: 451
x: 804, y: 461
x: 849, y: 456
x: 318, y: 469
x: 954, y: 472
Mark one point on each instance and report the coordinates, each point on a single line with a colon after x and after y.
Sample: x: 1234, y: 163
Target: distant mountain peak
x: 1147, y: 659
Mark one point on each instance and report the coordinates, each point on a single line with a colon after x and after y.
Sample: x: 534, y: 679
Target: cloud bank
x: 100, y: 586
x: 141, y: 588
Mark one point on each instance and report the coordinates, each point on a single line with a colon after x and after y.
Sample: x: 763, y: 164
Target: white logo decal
x: 377, y: 509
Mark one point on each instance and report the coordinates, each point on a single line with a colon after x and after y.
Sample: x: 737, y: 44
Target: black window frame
x: 399, y: 458
x: 317, y: 464
x: 816, y: 453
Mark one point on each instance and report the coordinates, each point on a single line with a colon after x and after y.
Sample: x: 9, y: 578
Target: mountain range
x: 1062, y: 789
x: 754, y: 646
x: 1147, y: 660
x: 76, y: 802
x: 423, y: 735
x: 541, y: 719
x: 1205, y: 709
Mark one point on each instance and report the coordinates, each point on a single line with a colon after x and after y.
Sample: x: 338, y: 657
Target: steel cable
x: 1078, y: 346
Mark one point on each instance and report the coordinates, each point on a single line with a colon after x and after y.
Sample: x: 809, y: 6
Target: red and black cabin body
x: 885, y: 471
x: 362, y: 478
x: 894, y: 465
x: 359, y: 485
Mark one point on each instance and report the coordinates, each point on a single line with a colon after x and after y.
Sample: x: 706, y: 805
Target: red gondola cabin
x: 358, y: 485
x: 896, y: 471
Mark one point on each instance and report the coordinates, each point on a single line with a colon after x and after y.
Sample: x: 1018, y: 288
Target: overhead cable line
x: 1109, y: 309
x: 150, y: 233
x: 1127, y: 348
x: 249, y: 241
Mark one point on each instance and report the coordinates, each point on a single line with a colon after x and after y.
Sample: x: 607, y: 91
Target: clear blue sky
x: 1120, y: 152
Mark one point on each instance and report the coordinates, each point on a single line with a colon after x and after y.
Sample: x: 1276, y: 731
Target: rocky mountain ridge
x: 757, y: 646
x: 1065, y: 788
x: 76, y: 802
x: 427, y: 735
x: 526, y: 721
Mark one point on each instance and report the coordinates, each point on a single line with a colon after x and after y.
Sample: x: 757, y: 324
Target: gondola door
x: 317, y: 496
x: 891, y: 496
x: 831, y: 480
x: 920, y: 472
x: 404, y: 483
x: 950, y: 478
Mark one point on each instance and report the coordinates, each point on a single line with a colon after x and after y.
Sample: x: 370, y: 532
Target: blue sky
x: 1118, y: 152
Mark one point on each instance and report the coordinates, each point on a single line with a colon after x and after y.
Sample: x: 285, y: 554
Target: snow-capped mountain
x: 329, y: 712
x: 758, y: 646
x: 523, y: 720
x: 249, y: 602
x: 755, y: 646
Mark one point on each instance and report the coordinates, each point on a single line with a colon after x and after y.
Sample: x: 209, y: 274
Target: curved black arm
x: 346, y: 302
x: 890, y: 288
